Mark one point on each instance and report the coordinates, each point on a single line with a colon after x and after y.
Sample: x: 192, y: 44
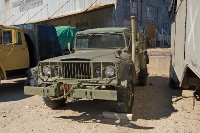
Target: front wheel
x: 142, y: 77
x: 27, y: 82
x: 54, y: 103
x: 125, y: 97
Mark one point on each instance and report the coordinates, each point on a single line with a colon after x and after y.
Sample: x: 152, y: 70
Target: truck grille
x: 76, y: 70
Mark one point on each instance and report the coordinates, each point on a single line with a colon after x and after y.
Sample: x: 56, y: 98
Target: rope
x: 20, y: 16
x: 59, y: 9
x: 36, y: 13
x: 9, y: 52
x: 90, y: 6
x: 8, y: 19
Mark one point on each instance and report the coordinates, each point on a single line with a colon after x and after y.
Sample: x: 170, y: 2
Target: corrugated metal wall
x: 94, y: 19
x: 67, y: 12
x: 26, y: 11
x: 152, y: 12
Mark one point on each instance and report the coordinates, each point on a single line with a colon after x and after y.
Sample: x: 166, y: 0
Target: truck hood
x: 90, y: 55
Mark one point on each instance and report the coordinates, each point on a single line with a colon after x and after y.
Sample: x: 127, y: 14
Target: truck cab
x: 14, y: 54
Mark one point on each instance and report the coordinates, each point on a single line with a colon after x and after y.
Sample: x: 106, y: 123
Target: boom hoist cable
x: 20, y: 17
x: 8, y: 19
x: 36, y: 13
x: 59, y: 9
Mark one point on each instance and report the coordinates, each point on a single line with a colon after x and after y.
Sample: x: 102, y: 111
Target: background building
x: 151, y: 15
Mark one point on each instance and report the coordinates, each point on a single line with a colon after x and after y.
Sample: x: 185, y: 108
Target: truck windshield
x: 7, y: 37
x: 100, y: 41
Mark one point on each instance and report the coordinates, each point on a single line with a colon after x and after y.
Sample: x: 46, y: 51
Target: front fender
x: 123, y: 72
x: 128, y: 70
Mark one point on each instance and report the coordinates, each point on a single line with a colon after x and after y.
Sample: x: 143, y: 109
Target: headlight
x: 109, y: 71
x: 47, y: 70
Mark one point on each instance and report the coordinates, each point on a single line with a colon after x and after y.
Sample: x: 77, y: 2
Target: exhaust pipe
x: 133, y: 25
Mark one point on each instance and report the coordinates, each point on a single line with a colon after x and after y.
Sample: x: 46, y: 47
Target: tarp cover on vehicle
x: 66, y: 34
x: 42, y: 42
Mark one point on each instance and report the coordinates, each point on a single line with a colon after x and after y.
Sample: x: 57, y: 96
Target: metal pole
x: 133, y: 25
x: 141, y: 13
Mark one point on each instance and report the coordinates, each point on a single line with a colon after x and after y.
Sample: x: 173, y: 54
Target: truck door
x: 14, y: 50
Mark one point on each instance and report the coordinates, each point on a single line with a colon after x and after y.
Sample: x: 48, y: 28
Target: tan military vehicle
x: 105, y: 65
x: 14, y: 53
x: 22, y: 48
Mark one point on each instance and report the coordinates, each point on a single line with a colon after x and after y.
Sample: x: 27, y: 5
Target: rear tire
x: 54, y: 103
x: 125, y: 97
x: 142, y: 77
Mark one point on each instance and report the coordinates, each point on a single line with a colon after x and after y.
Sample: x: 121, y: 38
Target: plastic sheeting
x: 42, y: 42
x: 66, y: 34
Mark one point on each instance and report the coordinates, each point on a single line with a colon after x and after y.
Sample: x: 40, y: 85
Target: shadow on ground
x: 12, y: 91
x: 153, y: 101
x: 91, y: 112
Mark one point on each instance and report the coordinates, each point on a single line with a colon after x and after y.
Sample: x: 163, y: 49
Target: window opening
x: 7, y: 37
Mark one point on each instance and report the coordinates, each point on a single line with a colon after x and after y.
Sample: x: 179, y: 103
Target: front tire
x: 54, y: 103
x: 142, y: 77
x: 27, y: 82
x: 125, y: 97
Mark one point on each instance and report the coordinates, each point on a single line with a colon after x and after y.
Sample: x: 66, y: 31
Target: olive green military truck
x: 105, y: 65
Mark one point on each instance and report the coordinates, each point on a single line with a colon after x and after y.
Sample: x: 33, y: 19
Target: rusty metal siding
x: 192, y: 45
x: 94, y: 19
x: 67, y: 12
x: 37, y: 10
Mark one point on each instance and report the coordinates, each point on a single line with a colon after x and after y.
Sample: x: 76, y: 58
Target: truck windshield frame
x: 100, y: 41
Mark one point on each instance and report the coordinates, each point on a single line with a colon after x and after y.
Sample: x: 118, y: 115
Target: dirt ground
x: 157, y: 108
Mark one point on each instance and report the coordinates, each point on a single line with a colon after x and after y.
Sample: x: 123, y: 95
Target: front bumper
x: 90, y: 93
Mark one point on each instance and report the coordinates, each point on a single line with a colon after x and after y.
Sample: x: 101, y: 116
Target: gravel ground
x: 157, y: 108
